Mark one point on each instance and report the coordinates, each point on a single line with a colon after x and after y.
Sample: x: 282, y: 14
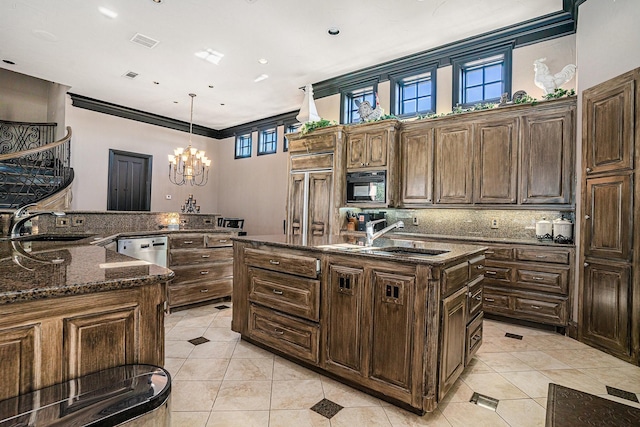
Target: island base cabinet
x: 453, y: 340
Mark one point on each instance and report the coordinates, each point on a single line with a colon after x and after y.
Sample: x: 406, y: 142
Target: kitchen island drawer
x: 494, y: 300
x: 542, y: 308
x: 543, y: 255
x: 186, y: 240
x: 474, y: 298
x: 476, y: 267
x: 294, y: 295
x: 453, y: 277
x: 197, y: 292
x: 283, y: 333
x: 199, y: 256
x: 504, y: 254
x: 546, y: 279
x: 203, y: 273
x: 474, y: 337
x: 284, y: 262
x: 218, y: 240
x: 501, y: 273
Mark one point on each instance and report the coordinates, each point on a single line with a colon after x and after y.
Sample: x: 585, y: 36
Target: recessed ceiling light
x: 210, y: 55
x: 175, y: 102
x: 260, y: 78
x: 107, y: 12
x: 333, y: 31
x: 210, y: 86
x: 157, y: 1
x: 6, y: 61
x: 156, y: 83
x: 222, y: 103
x: 263, y: 61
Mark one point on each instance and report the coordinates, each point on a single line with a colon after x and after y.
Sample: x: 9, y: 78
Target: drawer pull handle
x: 206, y: 256
x: 188, y: 242
x: 490, y: 252
x: 272, y: 262
x: 277, y: 292
x: 491, y: 272
x: 541, y: 256
x: 223, y: 240
x: 204, y: 291
x: 278, y: 331
x: 536, y: 307
x: 479, y: 267
x: 204, y: 272
x: 489, y: 299
x: 537, y: 278
x: 479, y: 298
x: 476, y: 337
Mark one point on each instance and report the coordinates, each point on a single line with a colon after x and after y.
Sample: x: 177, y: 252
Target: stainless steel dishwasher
x: 152, y: 249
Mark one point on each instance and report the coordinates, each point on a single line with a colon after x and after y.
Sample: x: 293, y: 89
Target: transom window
x: 293, y: 127
x: 350, y: 107
x: 482, y: 77
x: 267, y: 141
x: 243, y: 146
x: 414, y: 95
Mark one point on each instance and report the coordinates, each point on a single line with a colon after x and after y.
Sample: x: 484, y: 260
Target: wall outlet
x: 77, y: 221
x: 416, y: 221
x: 494, y: 222
x: 62, y: 221
x: 168, y: 197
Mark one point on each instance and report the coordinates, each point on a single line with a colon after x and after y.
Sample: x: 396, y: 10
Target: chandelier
x: 189, y: 165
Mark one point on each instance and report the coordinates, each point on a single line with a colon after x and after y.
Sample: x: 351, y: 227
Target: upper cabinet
x: 416, y: 165
x: 453, y: 161
x: 371, y: 145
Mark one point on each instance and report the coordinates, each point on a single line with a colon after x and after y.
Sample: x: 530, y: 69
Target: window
x: 350, y: 108
x: 267, y: 141
x: 289, y: 128
x: 413, y: 92
x: 243, y: 146
x: 482, y: 79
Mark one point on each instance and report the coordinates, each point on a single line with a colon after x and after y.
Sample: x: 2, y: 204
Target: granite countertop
x: 48, y: 269
x: 411, y: 251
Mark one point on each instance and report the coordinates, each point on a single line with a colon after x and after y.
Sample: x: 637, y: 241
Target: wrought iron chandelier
x: 189, y: 165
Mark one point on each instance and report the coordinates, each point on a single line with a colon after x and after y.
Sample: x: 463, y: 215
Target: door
x: 416, y: 154
x: 129, y: 181
x: 356, y: 151
x: 453, y: 339
x: 453, y: 164
x: 495, y: 161
x: 376, y: 148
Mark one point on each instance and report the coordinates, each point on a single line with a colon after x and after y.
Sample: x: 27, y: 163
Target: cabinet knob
x: 588, y: 169
x: 479, y: 267
x: 587, y: 217
x: 586, y: 264
x: 278, y: 331
x: 277, y: 292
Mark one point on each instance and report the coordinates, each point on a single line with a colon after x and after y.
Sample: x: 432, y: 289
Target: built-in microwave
x: 367, y: 187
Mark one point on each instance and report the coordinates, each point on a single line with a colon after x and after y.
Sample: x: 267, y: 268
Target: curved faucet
x: 371, y: 236
x: 22, y: 215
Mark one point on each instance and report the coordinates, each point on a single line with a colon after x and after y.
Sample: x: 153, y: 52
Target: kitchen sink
x: 403, y: 251
x: 53, y: 238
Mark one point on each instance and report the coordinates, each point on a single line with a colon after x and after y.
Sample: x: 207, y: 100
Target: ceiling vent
x: 145, y: 41
x: 130, y: 75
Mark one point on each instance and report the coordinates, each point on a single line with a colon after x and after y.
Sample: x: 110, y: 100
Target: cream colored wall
x: 95, y: 133
x: 329, y: 107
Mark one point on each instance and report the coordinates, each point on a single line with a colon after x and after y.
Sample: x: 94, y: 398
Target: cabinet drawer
x: 547, y: 280
x: 287, y: 263
x: 542, y: 255
x: 544, y: 309
x: 493, y: 301
x: 476, y: 267
x: 218, y: 240
x: 474, y: 338
x: 203, y: 272
x: 474, y: 298
x: 292, y: 294
x: 197, y: 292
x: 500, y: 273
x: 199, y: 256
x: 312, y: 161
x: 187, y: 240
x: 291, y: 336
x: 313, y: 144
x: 454, y: 277
x: 499, y: 253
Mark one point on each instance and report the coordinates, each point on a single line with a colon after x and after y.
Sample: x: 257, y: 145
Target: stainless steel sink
x: 400, y: 250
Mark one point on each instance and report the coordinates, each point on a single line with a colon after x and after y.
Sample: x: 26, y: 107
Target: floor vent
x: 484, y: 401
x: 515, y: 336
x: 145, y: 41
x: 130, y: 75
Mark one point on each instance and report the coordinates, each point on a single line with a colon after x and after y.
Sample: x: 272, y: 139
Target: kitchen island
x: 68, y: 309
x: 400, y: 319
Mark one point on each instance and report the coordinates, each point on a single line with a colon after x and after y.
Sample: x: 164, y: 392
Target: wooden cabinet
x: 546, y: 170
x: 453, y: 164
x: 203, y: 267
x: 495, y: 160
x: 453, y: 339
x: 609, y: 310
x: 371, y: 145
x: 310, y: 207
x: 416, y: 169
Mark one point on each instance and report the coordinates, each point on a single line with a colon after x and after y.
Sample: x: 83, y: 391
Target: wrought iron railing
x: 35, y: 173
x: 20, y: 136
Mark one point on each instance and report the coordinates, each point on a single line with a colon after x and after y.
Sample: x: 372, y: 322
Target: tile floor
x: 229, y: 382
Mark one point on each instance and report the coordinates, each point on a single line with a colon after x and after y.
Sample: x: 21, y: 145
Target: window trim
x: 395, y: 80
x: 458, y: 66
x: 238, y: 138
x: 347, y: 91
x: 260, y: 140
x: 285, y: 127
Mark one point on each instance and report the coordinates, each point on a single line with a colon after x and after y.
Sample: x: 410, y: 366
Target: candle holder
x: 190, y: 205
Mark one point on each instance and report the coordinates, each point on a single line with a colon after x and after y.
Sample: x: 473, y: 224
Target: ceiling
x: 72, y: 43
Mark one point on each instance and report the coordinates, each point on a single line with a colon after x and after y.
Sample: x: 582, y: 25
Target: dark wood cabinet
x: 495, y: 161
x: 296, y: 208
x: 368, y: 145
x: 609, y: 309
x: 416, y: 169
x: 453, y: 164
x: 319, y: 207
x: 452, y: 339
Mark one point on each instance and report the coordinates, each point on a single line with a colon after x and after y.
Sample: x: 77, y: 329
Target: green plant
x: 559, y: 93
x: 386, y: 117
x: 311, y: 126
x: 526, y: 99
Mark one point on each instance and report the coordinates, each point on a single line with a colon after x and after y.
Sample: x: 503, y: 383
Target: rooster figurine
x: 367, y: 113
x: 550, y: 82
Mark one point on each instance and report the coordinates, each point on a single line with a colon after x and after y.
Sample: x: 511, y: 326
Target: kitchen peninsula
x: 400, y: 319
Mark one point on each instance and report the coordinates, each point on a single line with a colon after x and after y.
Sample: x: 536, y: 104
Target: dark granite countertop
x: 33, y: 270
x: 408, y: 250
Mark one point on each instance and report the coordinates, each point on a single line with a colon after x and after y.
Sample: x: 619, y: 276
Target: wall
x: 95, y: 133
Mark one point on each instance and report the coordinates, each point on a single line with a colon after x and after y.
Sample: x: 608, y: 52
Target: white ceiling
x: 72, y: 43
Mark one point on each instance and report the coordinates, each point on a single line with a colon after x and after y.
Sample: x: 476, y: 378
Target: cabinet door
x: 607, y: 307
x: 295, y: 222
x: 495, y: 161
x: 392, y: 324
x: 607, y: 220
x: 452, y: 339
x: 319, y: 208
x: 20, y: 360
x: 609, y: 125
x: 376, y: 148
x: 546, y: 172
x: 356, y: 151
x: 344, y: 327
x: 416, y: 153
x: 453, y: 164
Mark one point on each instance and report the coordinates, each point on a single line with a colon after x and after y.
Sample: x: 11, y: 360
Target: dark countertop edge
x: 461, y: 250
x: 10, y: 297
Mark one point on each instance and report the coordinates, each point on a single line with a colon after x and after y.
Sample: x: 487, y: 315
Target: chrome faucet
x: 22, y: 215
x: 371, y: 236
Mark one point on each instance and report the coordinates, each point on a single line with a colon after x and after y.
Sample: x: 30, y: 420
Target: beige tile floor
x: 229, y: 382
